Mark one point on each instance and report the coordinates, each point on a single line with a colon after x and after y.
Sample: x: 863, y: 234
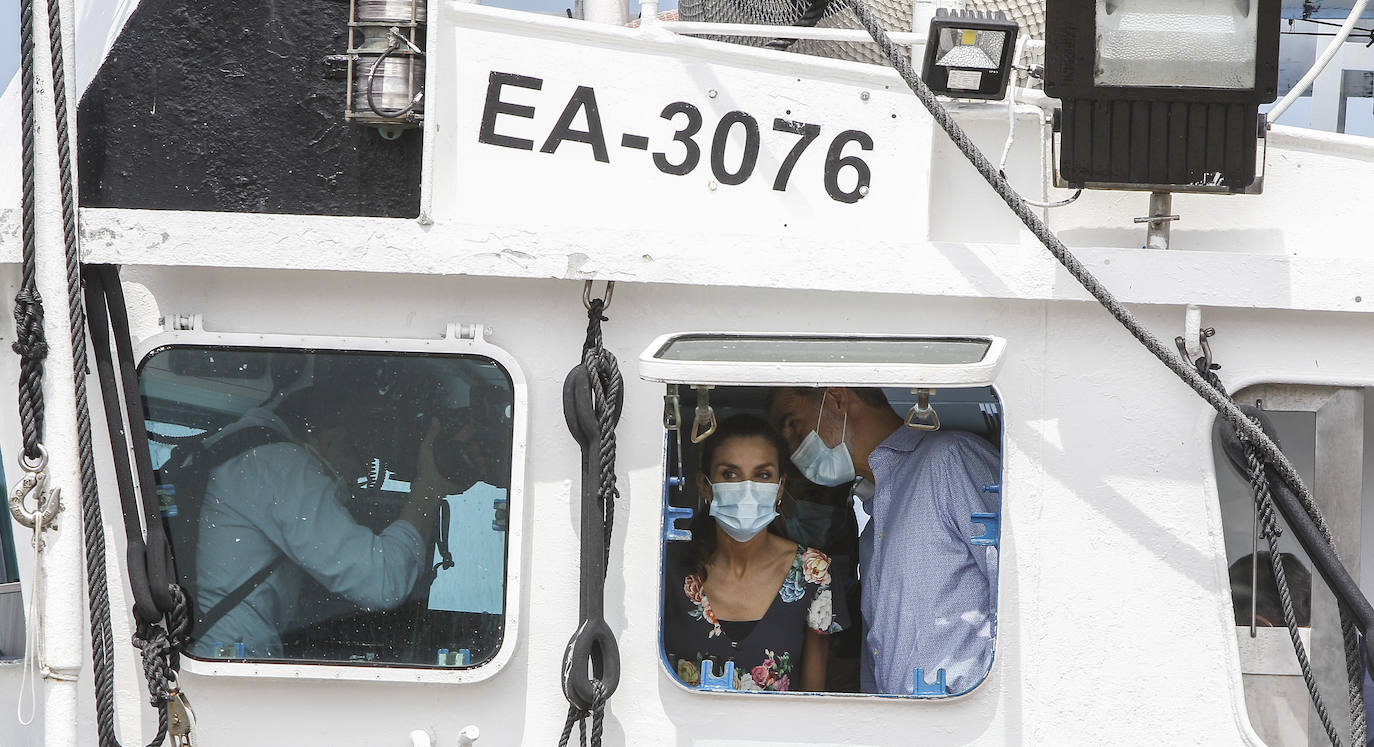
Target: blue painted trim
x: 992, y: 524
x: 922, y: 689
x: 726, y: 681
x: 671, y: 515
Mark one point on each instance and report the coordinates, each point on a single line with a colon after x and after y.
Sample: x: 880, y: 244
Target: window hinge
x: 183, y: 322
x: 467, y: 331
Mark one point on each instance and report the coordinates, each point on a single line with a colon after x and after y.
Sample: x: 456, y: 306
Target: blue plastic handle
x: 671, y: 515
x: 922, y: 689
x: 992, y: 525
x: 712, y: 683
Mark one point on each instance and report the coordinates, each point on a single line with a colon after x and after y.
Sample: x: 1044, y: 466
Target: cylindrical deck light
x: 386, y: 64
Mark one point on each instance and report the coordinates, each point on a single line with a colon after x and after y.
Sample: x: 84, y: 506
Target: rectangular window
x: 866, y: 502
x: 336, y: 507
x: 1328, y: 434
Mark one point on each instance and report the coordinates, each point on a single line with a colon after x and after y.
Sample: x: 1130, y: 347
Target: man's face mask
x: 821, y: 464
x: 744, y: 509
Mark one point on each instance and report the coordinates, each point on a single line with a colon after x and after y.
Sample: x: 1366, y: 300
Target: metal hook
x: 605, y: 301
x: 923, y: 411
x: 672, y: 409
x: 35, y: 483
x: 181, y: 720
x: 1202, y: 337
x: 705, y: 416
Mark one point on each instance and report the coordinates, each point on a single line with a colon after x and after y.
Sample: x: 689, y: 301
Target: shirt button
x: 875, y: 652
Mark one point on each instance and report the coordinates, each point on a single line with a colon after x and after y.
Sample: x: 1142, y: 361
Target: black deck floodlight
x: 969, y: 55
x: 1161, y: 94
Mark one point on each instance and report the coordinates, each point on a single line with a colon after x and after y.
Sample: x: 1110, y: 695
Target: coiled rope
x: 1265, y: 447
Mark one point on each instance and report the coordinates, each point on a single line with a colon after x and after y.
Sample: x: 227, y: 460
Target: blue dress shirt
x: 928, y: 593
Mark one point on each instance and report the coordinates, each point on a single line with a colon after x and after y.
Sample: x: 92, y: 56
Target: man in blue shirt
x: 928, y: 591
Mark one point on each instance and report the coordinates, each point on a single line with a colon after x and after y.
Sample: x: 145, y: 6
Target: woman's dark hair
x: 703, y: 543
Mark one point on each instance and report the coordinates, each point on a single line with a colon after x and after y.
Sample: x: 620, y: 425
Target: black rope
x: 29, y: 340
x: 1252, y: 433
x: 578, y: 716
x: 102, y: 638
x: 151, y: 579
x: 31, y: 345
x: 607, y: 389
x: 1269, y: 529
x: 1074, y: 266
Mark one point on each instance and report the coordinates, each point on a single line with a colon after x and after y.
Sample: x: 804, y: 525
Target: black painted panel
x: 231, y: 106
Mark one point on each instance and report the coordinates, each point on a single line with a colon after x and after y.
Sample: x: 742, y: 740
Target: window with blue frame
x: 864, y: 518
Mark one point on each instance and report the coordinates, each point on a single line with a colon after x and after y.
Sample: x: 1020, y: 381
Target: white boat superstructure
x: 558, y: 152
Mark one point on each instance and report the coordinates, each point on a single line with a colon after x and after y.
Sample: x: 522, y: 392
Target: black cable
x: 1272, y: 455
x: 396, y: 43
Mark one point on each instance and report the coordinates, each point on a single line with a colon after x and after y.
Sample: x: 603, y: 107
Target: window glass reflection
x: 340, y: 507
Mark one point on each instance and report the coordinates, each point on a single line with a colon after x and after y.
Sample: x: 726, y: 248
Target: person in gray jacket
x: 281, y: 506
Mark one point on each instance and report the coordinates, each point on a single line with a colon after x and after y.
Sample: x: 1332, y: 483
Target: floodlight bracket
x: 1253, y: 188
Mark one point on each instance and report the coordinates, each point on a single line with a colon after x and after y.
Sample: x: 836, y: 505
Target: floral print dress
x: 768, y: 656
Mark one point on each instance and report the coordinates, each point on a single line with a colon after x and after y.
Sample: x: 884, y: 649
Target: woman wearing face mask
x: 737, y: 592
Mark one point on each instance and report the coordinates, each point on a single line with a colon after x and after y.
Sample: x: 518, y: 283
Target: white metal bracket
x: 184, y: 322
x: 466, y: 331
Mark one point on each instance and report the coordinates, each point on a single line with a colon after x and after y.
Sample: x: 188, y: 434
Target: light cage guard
x: 386, y: 64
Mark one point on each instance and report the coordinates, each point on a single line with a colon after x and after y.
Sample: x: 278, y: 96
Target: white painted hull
x: 1115, y: 622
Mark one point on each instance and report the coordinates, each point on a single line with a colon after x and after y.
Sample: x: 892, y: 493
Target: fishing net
x: 894, y: 14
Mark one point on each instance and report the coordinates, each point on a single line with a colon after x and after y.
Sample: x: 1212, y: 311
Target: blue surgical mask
x: 744, y: 509
x: 821, y: 464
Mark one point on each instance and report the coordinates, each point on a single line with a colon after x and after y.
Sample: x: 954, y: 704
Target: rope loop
x: 579, y: 716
